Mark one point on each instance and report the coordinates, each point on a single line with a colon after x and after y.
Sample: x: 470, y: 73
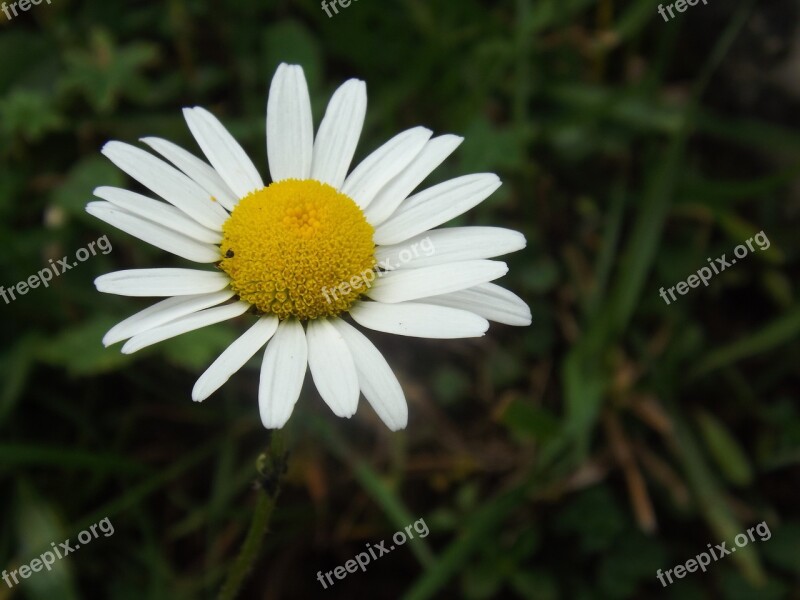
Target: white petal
x: 161, y: 313
x: 169, y: 183
x: 223, y: 151
x: 393, y: 193
x: 200, y: 171
x: 161, y: 282
x: 435, y: 206
x: 440, y: 246
x: 381, y: 166
x: 282, y: 374
x: 418, y: 320
x: 410, y: 284
x: 489, y: 301
x: 183, y: 325
x: 160, y: 212
x: 153, y: 233
x: 332, y: 368
x: 234, y: 357
x: 376, y: 378
x: 290, y: 130
x: 339, y: 132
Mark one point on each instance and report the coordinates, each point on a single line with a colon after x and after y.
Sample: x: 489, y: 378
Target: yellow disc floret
x: 298, y: 249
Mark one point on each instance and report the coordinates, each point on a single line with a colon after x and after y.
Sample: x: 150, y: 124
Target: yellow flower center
x: 298, y: 249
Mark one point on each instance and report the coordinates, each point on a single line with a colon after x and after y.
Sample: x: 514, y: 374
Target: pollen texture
x: 298, y: 248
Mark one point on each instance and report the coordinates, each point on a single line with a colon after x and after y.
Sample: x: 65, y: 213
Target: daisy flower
x: 311, y: 247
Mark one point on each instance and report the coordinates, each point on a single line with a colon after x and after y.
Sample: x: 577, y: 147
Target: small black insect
x: 229, y: 254
x: 271, y: 470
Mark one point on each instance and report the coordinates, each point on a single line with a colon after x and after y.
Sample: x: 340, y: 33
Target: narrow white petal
x: 375, y: 171
x: 393, y: 193
x: 339, y: 132
x: 410, y: 284
x: 282, y: 374
x: 153, y: 233
x: 199, y: 170
x: 454, y: 244
x: 332, y: 368
x: 418, y: 320
x: 161, y: 282
x: 489, y: 301
x: 161, y: 313
x: 183, y: 325
x: 375, y: 377
x: 290, y: 129
x: 234, y: 357
x: 167, y: 182
x: 435, y: 206
x: 223, y: 152
x: 160, y: 212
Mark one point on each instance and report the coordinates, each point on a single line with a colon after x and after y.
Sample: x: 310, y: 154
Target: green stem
x: 271, y: 466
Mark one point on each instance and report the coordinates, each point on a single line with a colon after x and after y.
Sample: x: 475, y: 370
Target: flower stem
x: 270, y: 465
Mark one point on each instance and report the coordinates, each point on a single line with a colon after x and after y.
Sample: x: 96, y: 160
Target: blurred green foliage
x: 615, y: 436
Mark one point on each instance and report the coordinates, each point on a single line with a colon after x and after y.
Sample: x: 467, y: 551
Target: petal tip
x: 273, y: 423
x: 109, y: 147
x: 102, y: 189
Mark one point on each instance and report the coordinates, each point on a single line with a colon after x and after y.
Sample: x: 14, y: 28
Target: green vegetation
x: 572, y: 459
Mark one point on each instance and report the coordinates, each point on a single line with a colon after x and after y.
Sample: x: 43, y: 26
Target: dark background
x: 574, y: 458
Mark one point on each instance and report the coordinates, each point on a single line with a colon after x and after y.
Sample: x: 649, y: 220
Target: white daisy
x: 307, y: 249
